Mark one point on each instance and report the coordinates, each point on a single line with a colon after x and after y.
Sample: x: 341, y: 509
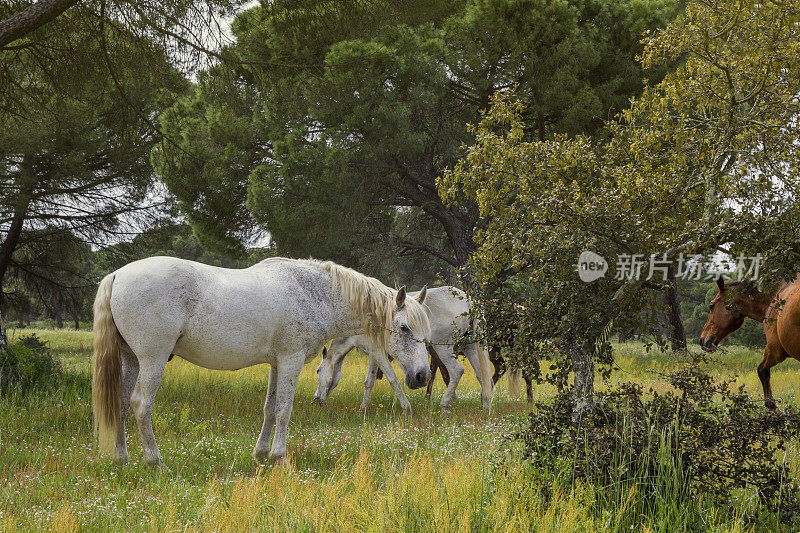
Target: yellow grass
x: 348, y: 471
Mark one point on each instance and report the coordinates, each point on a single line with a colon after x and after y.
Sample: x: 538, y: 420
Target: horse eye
x: 711, y: 306
x: 405, y: 329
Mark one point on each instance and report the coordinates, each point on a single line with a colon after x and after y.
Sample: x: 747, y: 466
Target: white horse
x: 279, y: 311
x: 449, y: 314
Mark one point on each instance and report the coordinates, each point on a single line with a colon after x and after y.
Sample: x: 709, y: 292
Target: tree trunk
x: 677, y: 335
x: 9, y: 245
x: 623, y: 337
x: 57, y: 310
x: 460, y: 237
x: 75, y: 308
x: 3, y: 336
x: 583, y: 385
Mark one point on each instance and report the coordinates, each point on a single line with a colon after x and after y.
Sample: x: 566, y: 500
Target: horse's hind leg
x: 151, y: 371
x: 471, y: 353
x: 454, y: 369
x: 499, y: 364
x: 773, y: 354
x: 130, y: 373
x: 261, y: 451
x: 288, y: 375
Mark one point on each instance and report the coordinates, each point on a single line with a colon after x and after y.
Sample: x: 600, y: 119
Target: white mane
x: 374, y: 302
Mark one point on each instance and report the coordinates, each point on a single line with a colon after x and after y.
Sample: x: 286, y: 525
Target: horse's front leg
x: 383, y: 363
x: 369, y: 382
x: 261, y: 451
x: 287, y: 377
x: 436, y: 364
x: 773, y: 354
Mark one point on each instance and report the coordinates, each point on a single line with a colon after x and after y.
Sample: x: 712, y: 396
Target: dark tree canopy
x: 358, y: 107
x: 74, y: 155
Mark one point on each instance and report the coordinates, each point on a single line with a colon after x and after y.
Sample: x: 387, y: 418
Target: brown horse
x: 778, y: 310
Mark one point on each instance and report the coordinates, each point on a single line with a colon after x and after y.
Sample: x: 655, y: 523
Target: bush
x: 704, y: 440
x: 27, y: 363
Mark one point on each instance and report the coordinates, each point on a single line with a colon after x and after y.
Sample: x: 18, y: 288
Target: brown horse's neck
x: 755, y: 305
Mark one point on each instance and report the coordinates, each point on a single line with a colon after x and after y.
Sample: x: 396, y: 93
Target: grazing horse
x: 778, y: 310
x: 449, y: 314
x: 279, y: 311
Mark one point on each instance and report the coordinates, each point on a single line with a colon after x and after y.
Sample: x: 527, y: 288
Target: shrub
x: 27, y: 363
x: 704, y: 439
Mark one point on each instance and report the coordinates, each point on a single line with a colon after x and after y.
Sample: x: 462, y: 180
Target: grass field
x: 349, y: 471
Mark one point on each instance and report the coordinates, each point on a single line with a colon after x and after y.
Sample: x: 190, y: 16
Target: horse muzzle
x: 707, y: 344
x: 418, y: 379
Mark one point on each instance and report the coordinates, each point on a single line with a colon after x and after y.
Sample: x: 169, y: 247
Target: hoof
x: 158, y: 467
x: 279, y: 460
x: 121, y: 459
x: 261, y: 456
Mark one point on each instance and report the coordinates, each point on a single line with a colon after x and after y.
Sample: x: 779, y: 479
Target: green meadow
x: 347, y: 471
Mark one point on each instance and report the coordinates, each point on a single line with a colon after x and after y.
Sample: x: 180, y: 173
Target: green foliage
x: 353, y: 122
x: 27, y: 364
x: 213, y: 148
x: 545, y: 203
x: 705, y: 158
x: 74, y: 157
x: 703, y: 440
x: 721, y: 130
x: 175, y: 240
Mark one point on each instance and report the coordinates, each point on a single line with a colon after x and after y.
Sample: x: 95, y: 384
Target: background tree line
x: 324, y: 126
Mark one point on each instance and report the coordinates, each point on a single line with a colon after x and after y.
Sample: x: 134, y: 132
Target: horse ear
x: 422, y: 294
x: 324, y: 352
x: 401, y: 297
x: 721, y: 284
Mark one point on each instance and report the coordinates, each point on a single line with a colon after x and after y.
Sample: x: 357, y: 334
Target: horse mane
x: 374, y: 302
x: 747, y: 285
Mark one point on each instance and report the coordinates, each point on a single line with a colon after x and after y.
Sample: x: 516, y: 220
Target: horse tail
x: 484, y: 369
x: 106, y: 370
x: 514, y: 386
x: 486, y: 374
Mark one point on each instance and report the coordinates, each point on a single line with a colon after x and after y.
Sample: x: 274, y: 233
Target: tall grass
x: 349, y: 471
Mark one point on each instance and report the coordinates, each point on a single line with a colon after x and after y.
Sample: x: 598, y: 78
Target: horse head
x: 329, y: 371
x: 726, y: 312
x: 405, y: 342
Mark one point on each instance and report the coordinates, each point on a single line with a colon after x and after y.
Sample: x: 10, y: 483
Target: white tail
x: 106, y: 370
x: 514, y: 386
